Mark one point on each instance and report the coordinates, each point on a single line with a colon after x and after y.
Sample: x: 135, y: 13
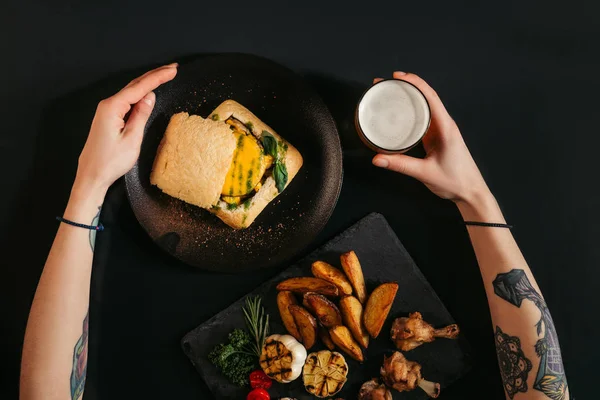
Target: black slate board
x: 383, y: 259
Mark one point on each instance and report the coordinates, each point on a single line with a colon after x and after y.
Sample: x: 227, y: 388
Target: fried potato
x: 328, y: 272
x: 284, y: 300
x: 308, y: 284
x: 307, y: 325
x: 343, y: 339
x: 326, y: 312
x: 378, y: 307
x: 352, y: 314
x: 354, y: 272
x: 326, y: 338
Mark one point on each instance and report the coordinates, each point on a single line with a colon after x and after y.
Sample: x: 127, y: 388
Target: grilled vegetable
x: 352, y: 314
x: 284, y: 300
x: 282, y: 358
x: 237, y: 125
x: 378, y: 307
x: 232, y: 200
x: 307, y: 325
x: 307, y: 284
x: 324, y: 373
x: 321, y: 269
x: 247, y: 167
x: 326, y: 312
x: 343, y: 339
x: 353, y: 270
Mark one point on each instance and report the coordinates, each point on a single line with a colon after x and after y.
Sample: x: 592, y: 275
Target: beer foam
x: 393, y: 115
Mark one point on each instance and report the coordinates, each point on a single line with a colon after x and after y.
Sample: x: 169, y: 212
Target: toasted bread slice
x: 193, y: 158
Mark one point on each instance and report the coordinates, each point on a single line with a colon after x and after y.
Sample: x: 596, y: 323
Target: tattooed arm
x: 55, y: 348
x: 526, y: 340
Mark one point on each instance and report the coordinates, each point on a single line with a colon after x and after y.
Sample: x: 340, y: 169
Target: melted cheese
x: 247, y: 167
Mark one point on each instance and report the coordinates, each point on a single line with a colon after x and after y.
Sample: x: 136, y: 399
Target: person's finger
x: 136, y: 80
x: 438, y: 111
x: 377, y: 80
x: 134, y: 128
x: 404, y: 164
x: 134, y: 93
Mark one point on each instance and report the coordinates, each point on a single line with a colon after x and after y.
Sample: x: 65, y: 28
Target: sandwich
x: 231, y: 163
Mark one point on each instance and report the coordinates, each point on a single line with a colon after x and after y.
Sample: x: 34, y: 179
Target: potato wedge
x: 285, y: 299
x: 342, y: 337
x: 325, y: 338
x: 307, y: 325
x: 308, y: 284
x: 354, y: 272
x: 352, y: 315
x: 328, y: 272
x: 378, y: 307
x: 326, y: 312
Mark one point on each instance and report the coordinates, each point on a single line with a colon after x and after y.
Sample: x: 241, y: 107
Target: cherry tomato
x: 258, y: 394
x: 258, y: 379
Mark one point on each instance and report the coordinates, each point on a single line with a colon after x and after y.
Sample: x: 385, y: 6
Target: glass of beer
x: 392, y: 116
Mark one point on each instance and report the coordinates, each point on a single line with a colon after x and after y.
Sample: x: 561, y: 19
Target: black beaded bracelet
x: 488, y: 224
x: 98, y: 227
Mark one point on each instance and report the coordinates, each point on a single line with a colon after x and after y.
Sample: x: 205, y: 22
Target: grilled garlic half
x: 282, y: 358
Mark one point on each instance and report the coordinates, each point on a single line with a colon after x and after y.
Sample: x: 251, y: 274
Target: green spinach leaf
x: 270, y: 144
x: 281, y: 175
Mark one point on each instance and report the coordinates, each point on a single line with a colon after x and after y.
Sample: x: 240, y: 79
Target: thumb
x: 139, y: 116
x: 404, y: 164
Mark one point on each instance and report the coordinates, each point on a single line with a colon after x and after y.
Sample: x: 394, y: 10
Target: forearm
x: 55, y: 346
x: 525, y: 336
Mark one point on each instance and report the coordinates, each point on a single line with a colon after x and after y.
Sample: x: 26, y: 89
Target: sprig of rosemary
x: 258, y: 323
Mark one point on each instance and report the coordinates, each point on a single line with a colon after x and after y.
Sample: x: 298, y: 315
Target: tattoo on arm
x: 80, y: 362
x: 514, y: 366
x: 93, y: 232
x: 514, y: 287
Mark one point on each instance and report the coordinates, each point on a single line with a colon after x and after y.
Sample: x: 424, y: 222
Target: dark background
x: 520, y: 79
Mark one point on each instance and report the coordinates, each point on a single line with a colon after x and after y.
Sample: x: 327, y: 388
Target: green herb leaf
x: 281, y: 175
x: 270, y: 144
x: 249, y: 125
x: 234, y: 359
x: 231, y: 207
x: 215, y: 117
x: 258, y: 323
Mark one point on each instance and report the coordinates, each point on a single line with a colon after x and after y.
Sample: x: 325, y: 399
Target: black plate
x: 383, y: 259
x: 283, y: 100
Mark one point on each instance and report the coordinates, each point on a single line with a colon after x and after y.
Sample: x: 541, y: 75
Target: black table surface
x: 521, y: 80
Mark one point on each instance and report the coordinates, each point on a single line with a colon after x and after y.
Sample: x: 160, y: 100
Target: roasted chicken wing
x: 411, y: 332
x: 374, y: 390
x: 404, y: 375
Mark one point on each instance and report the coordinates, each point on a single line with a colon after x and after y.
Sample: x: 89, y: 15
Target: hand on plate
x: 113, y: 144
x: 448, y: 169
